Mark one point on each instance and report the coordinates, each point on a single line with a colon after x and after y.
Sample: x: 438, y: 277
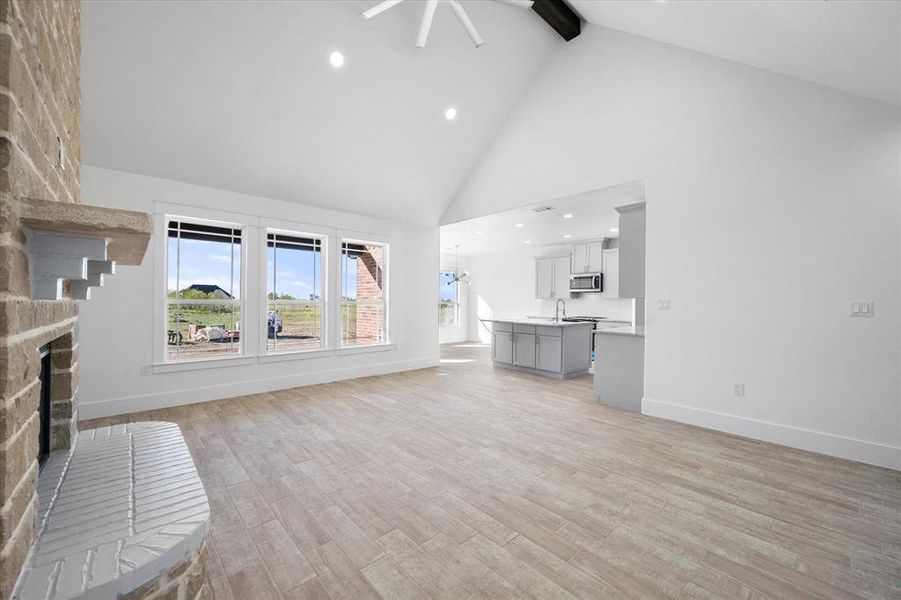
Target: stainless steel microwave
x: 587, y: 282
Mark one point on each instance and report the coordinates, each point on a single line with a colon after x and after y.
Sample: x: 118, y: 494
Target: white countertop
x: 542, y: 321
x: 625, y: 330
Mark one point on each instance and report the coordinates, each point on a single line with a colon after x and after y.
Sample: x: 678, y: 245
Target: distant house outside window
x: 363, y: 302
x: 448, y: 299
x: 294, y: 308
x: 203, y: 289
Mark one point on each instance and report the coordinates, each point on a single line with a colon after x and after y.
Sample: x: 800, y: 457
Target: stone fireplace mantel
x: 71, y: 247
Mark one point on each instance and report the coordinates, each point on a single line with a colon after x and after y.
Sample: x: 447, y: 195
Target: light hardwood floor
x: 469, y: 482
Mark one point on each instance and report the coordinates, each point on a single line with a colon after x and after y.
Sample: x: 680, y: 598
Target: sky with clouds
x: 296, y: 271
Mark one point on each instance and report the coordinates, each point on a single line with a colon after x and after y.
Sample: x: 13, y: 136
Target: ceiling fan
x: 428, y: 14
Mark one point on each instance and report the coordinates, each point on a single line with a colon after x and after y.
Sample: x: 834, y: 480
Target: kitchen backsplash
x: 593, y: 305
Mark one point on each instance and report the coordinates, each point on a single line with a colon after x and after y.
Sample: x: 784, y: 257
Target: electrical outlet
x: 663, y: 304
x: 861, y: 309
x: 146, y: 370
x: 738, y: 390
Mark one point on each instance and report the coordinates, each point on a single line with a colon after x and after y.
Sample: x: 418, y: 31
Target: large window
x: 448, y: 299
x: 203, y: 289
x: 364, y: 305
x: 294, y: 311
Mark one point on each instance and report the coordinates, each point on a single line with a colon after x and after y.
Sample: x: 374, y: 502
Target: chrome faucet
x: 557, y: 309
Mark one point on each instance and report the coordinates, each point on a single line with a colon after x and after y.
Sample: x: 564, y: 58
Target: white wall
x: 117, y: 325
x: 772, y: 204
x: 503, y: 285
x: 452, y: 335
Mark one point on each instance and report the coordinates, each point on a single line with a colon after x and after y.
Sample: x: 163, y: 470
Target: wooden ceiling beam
x: 559, y: 15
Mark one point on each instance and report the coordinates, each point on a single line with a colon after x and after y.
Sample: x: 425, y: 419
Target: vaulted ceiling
x: 241, y: 96
x: 851, y: 45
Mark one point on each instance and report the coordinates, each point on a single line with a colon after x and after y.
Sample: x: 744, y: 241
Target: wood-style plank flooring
x: 468, y: 482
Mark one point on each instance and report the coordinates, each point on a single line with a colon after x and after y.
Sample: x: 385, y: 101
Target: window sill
x: 364, y: 349
x: 275, y: 357
x: 196, y: 364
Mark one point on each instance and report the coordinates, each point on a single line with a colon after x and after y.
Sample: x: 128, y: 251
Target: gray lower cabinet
x: 524, y: 350
x: 503, y: 347
x: 549, y: 350
x: 558, y: 350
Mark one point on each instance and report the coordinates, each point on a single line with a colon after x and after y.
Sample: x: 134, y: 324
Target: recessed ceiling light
x: 336, y: 59
x: 614, y: 229
x: 520, y: 225
x: 450, y: 114
x: 479, y: 232
x: 566, y: 235
x: 568, y: 216
x: 528, y: 241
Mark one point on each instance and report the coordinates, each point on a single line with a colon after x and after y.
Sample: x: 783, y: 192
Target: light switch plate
x: 862, y: 309
x: 738, y: 390
x: 663, y: 304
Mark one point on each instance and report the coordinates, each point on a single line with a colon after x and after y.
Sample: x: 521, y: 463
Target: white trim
x: 130, y: 404
x: 249, y: 311
x: 382, y: 242
x: 196, y: 364
x: 324, y: 234
x: 365, y: 348
x: 273, y: 357
x: 874, y: 453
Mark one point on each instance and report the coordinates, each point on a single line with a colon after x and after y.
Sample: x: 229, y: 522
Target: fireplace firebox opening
x: 44, y: 410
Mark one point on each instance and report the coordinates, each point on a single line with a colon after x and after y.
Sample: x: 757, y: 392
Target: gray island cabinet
x: 541, y: 346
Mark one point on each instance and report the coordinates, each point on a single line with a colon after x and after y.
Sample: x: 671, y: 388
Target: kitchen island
x: 541, y: 346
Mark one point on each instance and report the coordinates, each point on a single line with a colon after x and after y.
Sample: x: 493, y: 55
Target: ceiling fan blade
x: 380, y: 8
x: 524, y: 4
x: 425, y: 26
x: 461, y: 15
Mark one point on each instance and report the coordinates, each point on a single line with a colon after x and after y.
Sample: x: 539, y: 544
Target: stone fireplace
x: 53, y: 251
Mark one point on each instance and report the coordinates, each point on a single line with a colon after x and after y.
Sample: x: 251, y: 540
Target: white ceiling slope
x: 241, y: 96
x: 853, y: 46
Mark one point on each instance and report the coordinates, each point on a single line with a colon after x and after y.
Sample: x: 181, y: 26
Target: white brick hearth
x: 122, y: 507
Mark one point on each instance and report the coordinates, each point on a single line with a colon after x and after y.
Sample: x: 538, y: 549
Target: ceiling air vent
x: 541, y: 209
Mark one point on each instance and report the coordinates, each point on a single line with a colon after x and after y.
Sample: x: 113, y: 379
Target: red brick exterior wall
x: 370, y: 288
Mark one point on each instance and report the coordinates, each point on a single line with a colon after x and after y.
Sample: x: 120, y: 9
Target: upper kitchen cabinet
x: 631, y: 250
x: 611, y: 273
x: 552, y: 277
x: 587, y: 257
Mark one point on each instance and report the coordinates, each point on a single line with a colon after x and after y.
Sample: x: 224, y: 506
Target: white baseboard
x: 130, y: 404
x: 873, y: 453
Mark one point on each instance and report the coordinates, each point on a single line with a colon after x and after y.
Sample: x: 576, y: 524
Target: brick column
x: 40, y: 110
x: 370, y: 288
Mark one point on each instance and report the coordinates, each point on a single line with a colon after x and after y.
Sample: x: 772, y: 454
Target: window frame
x: 458, y: 303
x: 201, y: 217
x: 345, y: 237
x: 294, y: 230
x: 253, y: 288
